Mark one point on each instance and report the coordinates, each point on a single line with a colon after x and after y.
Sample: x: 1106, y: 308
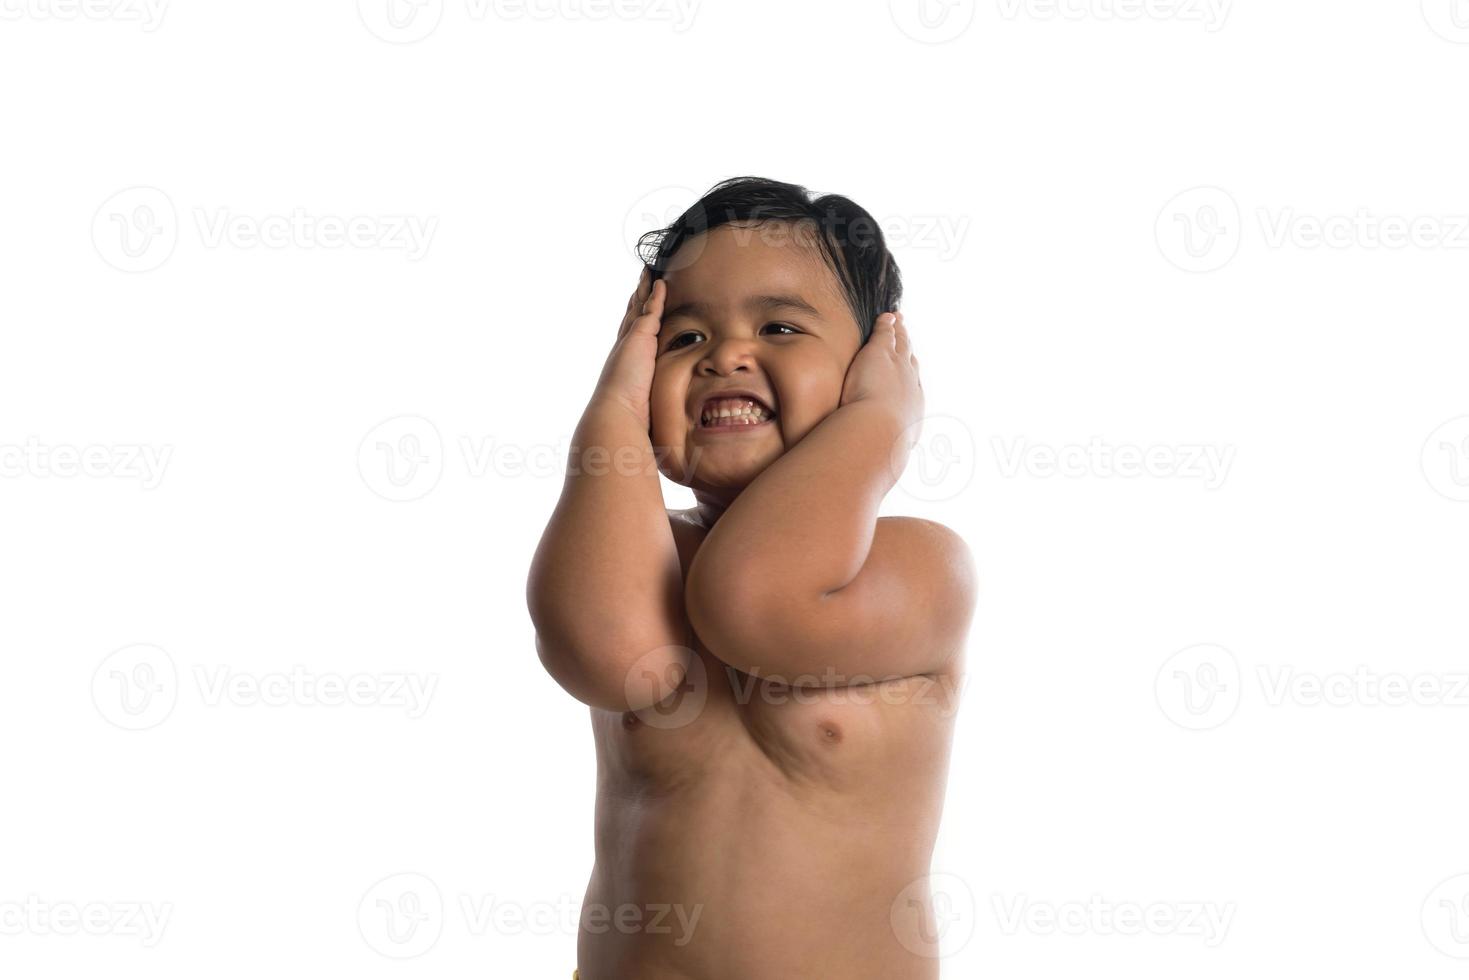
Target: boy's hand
x: 627, y: 377
x: 886, y: 371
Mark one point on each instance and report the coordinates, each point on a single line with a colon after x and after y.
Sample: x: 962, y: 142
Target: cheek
x: 666, y: 400
x: 808, y: 393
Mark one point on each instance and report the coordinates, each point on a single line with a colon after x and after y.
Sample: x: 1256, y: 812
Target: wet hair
x: 850, y: 239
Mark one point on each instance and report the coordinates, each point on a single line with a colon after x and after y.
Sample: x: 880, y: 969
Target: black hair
x: 850, y: 239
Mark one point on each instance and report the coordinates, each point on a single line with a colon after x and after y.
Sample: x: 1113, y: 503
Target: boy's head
x: 771, y: 291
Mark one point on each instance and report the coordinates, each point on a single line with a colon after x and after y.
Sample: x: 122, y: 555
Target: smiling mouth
x: 728, y: 414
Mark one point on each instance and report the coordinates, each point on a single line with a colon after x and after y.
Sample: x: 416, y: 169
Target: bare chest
x: 725, y: 725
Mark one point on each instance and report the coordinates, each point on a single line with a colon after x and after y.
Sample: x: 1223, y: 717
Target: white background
x: 1027, y: 160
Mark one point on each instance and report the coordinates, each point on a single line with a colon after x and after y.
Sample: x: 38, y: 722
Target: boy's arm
x: 799, y: 579
x: 605, y: 589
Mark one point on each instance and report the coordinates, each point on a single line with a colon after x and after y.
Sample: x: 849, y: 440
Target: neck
x: 709, y: 509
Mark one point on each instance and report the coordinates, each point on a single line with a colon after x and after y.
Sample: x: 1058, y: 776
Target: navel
x: 629, y: 719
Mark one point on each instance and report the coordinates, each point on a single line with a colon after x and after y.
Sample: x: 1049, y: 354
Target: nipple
x: 629, y: 719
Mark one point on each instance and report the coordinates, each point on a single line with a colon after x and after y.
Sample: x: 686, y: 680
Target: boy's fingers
x: 635, y: 302
x: 885, y: 328
x: 653, y: 305
x: 651, y: 298
x: 652, y: 308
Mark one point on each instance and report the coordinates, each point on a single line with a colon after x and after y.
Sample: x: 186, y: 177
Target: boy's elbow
x: 615, y: 676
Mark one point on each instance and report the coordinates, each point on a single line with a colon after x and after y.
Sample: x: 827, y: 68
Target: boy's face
x: 756, y: 308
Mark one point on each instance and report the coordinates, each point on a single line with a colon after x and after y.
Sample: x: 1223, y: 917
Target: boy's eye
x: 678, y: 341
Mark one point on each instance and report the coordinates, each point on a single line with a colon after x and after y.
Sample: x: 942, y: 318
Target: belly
x: 773, y: 831
x: 749, y: 882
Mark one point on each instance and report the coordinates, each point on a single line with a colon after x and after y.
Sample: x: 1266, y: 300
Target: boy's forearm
x: 805, y: 525
x: 607, y: 568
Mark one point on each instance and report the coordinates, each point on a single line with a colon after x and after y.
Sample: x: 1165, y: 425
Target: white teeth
x: 742, y: 411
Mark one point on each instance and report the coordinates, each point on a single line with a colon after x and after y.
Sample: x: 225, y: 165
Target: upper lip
x: 735, y: 393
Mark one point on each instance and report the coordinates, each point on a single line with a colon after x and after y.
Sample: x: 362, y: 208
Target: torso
x: 753, y: 831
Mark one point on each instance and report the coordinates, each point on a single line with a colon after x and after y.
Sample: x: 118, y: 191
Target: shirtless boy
x: 772, y: 674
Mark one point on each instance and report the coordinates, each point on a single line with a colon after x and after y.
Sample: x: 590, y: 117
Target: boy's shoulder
x: 929, y: 533
x: 938, y: 550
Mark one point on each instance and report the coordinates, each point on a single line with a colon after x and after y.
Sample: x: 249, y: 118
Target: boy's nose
x: 728, y: 355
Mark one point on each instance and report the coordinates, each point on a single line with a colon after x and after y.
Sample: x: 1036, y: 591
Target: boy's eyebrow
x: 700, y: 309
x: 783, y: 302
